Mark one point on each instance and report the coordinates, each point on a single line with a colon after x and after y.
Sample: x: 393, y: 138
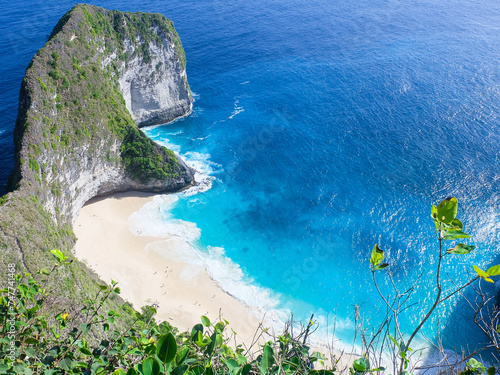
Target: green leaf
x: 21, y: 368
x: 483, y: 275
x: 119, y: 372
x: 434, y: 212
x: 203, y: 342
x: 167, y: 348
x: 241, y: 359
x: 150, y: 366
x: 197, y: 369
x: 59, y: 255
x: 402, y: 347
x: 31, y: 341
x: 381, y: 266
x: 377, y: 256
x: 205, y: 321
x: 45, y: 271
x: 316, y: 356
x: 66, y: 364
x: 493, y: 271
x: 181, y: 355
x: 219, y: 327
x: 210, y: 347
x: 179, y: 370
x: 131, y: 371
x: 454, y: 234
x: 246, y: 369
x: 454, y: 225
x: 475, y: 365
x: 30, y: 352
x: 219, y: 340
x: 490, y: 371
x: 361, y: 364
x: 194, y: 332
x: 267, y: 357
x: 104, y: 343
x: 461, y: 249
x: 85, y: 351
x: 232, y: 365
x: 85, y: 327
x: 54, y: 351
x: 447, y: 210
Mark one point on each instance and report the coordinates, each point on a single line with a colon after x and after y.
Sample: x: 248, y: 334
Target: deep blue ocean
x: 321, y: 127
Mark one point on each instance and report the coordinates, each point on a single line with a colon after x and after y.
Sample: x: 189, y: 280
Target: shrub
x: 30, y: 342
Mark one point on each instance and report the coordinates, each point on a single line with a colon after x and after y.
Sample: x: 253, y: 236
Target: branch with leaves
x: 448, y: 228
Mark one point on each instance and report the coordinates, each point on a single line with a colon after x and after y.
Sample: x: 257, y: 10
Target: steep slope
x: 76, y: 136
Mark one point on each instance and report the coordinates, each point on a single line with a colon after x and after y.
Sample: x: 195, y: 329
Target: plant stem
x: 436, y: 301
x: 459, y: 289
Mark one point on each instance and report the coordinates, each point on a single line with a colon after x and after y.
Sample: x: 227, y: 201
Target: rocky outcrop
x: 156, y: 92
x: 100, y: 76
x: 100, y: 72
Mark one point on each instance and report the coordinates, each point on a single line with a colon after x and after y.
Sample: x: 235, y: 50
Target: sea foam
x: 154, y: 219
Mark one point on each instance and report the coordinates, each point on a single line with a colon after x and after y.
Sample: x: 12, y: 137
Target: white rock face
x: 155, y: 92
x: 89, y: 177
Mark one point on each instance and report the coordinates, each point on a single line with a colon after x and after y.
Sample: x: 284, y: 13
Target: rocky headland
x: 101, y: 75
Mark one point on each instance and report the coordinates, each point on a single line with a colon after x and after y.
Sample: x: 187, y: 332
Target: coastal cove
x: 148, y: 275
x: 159, y: 271
x: 317, y: 130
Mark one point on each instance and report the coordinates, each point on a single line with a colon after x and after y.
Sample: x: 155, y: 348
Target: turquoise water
x: 319, y: 129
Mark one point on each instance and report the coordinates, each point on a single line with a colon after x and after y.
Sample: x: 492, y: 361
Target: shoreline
x: 150, y: 270
x: 182, y: 291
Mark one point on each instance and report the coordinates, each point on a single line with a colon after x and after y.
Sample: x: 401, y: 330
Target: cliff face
x: 152, y: 93
x: 100, y: 76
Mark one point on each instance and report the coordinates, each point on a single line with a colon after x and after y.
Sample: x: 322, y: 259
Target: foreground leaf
x: 361, y: 364
x: 454, y: 225
x: 150, y: 366
x: 493, y: 271
x: 377, y: 256
x: 196, y: 329
x: 461, y: 249
x: 454, y: 234
x: 267, y: 358
x: 483, y: 275
x: 181, y: 355
x: 205, y: 321
x: 167, y: 348
x: 59, y: 255
x: 381, y: 266
x: 447, y: 210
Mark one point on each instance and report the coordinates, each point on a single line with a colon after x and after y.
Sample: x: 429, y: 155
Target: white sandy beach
x: 182, y: 291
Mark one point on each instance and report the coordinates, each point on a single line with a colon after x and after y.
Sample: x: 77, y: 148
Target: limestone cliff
x: 154, y: 95
x: 100, y: 75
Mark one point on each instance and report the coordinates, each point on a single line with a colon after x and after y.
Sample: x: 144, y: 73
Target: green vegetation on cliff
x: 34, y: 342
x: 144, y: 160
x: 74, y: 80
x: 75, y: 138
